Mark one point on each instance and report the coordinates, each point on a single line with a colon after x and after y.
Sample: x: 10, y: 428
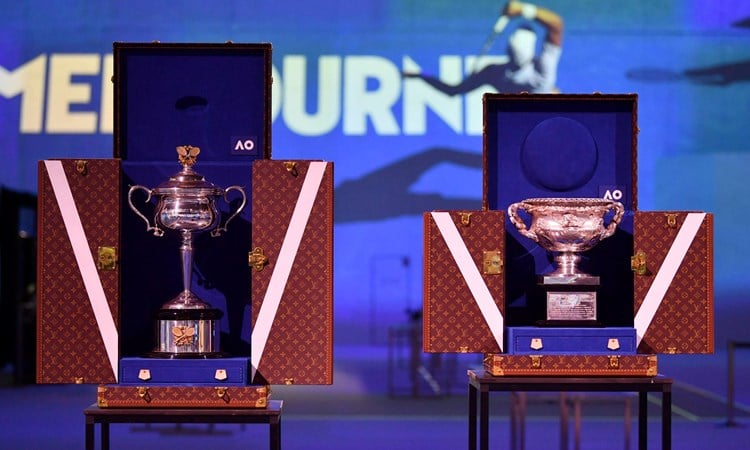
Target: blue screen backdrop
x: 401, y: 146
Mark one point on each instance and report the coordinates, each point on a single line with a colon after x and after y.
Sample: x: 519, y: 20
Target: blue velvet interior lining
x: 562, y: 147
x: 212, y: 98
x: 571, y: 166
x: 199, y: 97
x: 151, y: 270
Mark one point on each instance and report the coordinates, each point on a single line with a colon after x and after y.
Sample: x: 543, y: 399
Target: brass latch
x: 289, y: 380
x: 614, y: 362
x: 536, y: 361
x: 144, y: 374
x: 256, y: 259
x: 463, y: 349
x: 291, y: 167
x: 106, y: 258
x: 492, y: 263
x: 220, y: 374
x: 536, y: 344
x: 465, y: 218
x: 613, y: 344
x: 144, y: 393
x: 638, y: 263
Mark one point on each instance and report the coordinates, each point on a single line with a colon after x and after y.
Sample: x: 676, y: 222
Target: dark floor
x: 357, y: 412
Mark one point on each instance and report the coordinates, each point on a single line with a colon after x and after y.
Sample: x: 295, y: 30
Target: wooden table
x: 482, y: 383
x: 106, y: 416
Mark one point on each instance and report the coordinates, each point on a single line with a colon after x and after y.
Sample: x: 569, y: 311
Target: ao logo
x: 613, y: 194
x: 244, y: 144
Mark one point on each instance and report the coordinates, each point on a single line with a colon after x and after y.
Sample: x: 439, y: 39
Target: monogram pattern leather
x: 684, y: 321
x: 69, y: 346
x: 300, y: 345
x: 571, y: 365
x: 452, y: 320
x: 174, y: 396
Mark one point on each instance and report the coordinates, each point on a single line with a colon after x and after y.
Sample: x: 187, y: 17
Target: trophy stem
x: 186, y: 299
x: 567, y: 264
x: 186, y: 253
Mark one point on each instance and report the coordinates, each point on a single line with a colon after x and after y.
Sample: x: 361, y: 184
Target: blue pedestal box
x: 571, y: 341
x: 232, y: 371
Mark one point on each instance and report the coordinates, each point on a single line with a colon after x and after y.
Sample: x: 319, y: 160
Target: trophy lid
x: 187, y: 181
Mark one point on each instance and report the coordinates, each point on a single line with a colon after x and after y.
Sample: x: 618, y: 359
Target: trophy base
x: 571, y: 300
x: 188, y: 333
x: 569, y: 324
x: 171, y: 355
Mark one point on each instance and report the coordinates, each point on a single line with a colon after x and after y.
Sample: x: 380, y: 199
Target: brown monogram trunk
x: 454, y: 321
x: 175, y: 396
x: 674, y: 281
x: 70, y: 342
x: 292, y: 272
x: 571, y: 365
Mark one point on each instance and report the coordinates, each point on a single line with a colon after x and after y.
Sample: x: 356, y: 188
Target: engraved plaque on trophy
x: 567, y: 227
x: 186, y: 204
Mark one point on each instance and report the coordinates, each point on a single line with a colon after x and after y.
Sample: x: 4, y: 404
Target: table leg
x: 472, y: 417
x: 275, y: 434
x: 564, y: 421
x: 517, y: 420
x: 642, y: 420
x: 577, y: 422
x: 666, y: 418
x: 484, y: 419
x: 522, y: 421
x: 89, y: 434
x: 627, y: 423
x: 105, y: 435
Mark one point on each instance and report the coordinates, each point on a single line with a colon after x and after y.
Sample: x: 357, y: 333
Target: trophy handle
x: 220, y: 229
x: 156, y: 230
x: 515, y: 219
x: 619, y: 212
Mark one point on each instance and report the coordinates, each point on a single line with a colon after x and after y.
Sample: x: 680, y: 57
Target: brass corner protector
x: 82, y: 167
x: 671, y: 220
x: 291, y: 167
